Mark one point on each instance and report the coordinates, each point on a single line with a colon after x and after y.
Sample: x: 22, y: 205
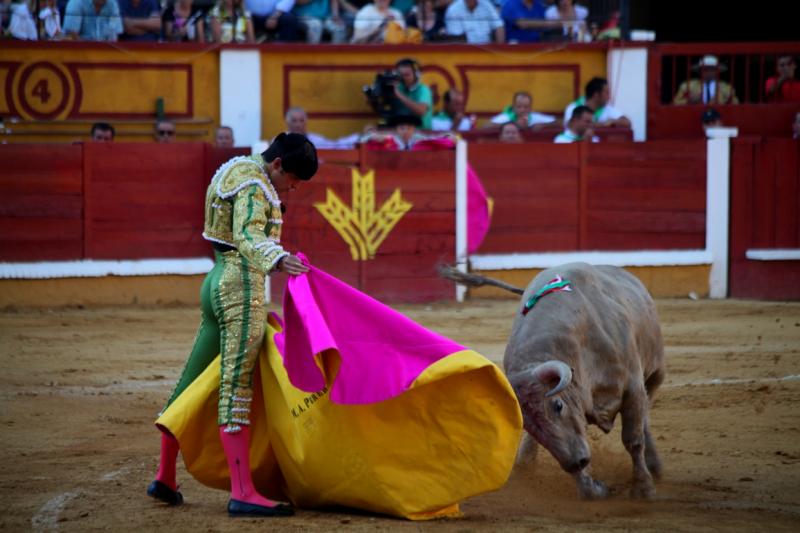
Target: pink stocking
x: 169, y: 456
x: 237, y: 451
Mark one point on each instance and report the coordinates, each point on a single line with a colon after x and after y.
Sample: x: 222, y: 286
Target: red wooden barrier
x: 41, y: 215
x: 645, y: 196
x: 535, y: 191
x: 547, y: 134
x: 144, y: 200
x: 547, y: 197
x: 765, y: 207
x: 404, y: 268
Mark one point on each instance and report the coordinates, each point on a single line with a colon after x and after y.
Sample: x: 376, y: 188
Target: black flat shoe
x: 240, y: 508
x: 160, y: 491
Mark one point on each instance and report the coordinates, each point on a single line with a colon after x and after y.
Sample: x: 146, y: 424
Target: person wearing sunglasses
x: 165, y: 131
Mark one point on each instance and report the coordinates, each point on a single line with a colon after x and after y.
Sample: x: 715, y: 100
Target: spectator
x: 93, y: 20
x: 415, y: 98
x: 403, y: 6
x: 274, y: 19
x: 709, y: 89
x: 373, y: 19
x: 426, y: 19
x: 319, y: 15
x: 22, y: 25
x: 573, y: 18
x: 596, y: 97
x: 406, y: 130
x: 404, y: 136
x: 141, y: 20
x: 476, y: 19
x: 348, y: 9
x: 231, y: 22
x: 520, y: 108
x: 223, y: 137
x: 51, y: 20
x: 183, y: 21
x: 510, y: 133
x: 610, y: 29
x: 579, y: 127
x: 523, y: 19
x: 711, y: 118
x: 451, y: 117
x: 297, y: 122
x: 165, y: 131
x: 796, y: 126
x: 783, y: 87
x: 103, y: 132
x: 5, y: 16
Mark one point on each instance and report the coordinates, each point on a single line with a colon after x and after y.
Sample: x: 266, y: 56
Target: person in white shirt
x: 579, y: 127
x: 574, y: 18
x: 478, y: 20
x: 51, y: 19
x: 22, y: 26
x: 297, y: 122
x: 596, y: 98
x: 372, y: 20
x: 274, y: 18
x: 521, y: 106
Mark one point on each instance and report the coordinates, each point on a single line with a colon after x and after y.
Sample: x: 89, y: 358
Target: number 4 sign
x: 43, y: 91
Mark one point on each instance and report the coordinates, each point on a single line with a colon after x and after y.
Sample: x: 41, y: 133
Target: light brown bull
x: 581, y: 357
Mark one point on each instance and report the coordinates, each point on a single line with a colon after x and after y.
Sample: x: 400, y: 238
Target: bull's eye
x: 558, y: 405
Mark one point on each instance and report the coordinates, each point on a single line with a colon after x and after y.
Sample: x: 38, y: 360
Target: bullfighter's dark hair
x: 298, y: 155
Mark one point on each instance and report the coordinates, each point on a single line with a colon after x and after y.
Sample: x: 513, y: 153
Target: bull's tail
x: 474, y: 280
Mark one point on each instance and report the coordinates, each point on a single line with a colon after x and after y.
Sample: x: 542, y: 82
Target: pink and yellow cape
x: 356, y: 405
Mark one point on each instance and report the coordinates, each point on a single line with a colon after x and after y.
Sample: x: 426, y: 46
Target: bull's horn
x: 545, y: 372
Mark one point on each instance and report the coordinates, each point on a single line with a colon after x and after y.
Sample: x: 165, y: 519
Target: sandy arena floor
x: 81, y: 387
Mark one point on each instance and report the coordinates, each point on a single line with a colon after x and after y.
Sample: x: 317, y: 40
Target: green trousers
x: 232, y: 323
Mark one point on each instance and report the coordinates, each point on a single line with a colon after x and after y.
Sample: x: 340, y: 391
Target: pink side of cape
x: 478, y: 217
x: 382, y: 351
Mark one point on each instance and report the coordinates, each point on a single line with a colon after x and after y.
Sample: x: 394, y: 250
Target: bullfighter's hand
x: 292, y: 265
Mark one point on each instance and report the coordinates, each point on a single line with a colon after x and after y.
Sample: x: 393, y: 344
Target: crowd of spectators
x: 312, y: 21
x: 405, y: 109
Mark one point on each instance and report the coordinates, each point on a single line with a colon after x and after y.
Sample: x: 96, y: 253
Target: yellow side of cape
x: 452, y: 435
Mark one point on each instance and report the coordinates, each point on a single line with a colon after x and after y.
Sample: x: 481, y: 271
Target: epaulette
x: 239, y: 173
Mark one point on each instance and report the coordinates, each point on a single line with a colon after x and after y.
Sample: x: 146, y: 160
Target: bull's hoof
x: 654, y: 465
x: 643, y: 491
x: 593, y: 490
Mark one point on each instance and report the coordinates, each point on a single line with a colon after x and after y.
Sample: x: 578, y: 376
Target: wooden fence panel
x: 646, y: 196
x: 145, y: 200
x: 765, y: 198
x: 41, y: 215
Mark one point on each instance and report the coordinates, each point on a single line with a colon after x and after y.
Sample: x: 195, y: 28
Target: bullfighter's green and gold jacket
x: 243, y: 211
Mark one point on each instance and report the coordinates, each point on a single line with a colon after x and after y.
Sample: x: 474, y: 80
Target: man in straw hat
x: 709, y: 89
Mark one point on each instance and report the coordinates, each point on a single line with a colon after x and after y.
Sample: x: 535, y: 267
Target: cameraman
x: 414, y: 97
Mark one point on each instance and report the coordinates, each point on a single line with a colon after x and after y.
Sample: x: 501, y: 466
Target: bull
x: 588, y: 349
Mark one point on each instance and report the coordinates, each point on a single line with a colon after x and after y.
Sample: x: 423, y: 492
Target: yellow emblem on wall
x: 361, y: 227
